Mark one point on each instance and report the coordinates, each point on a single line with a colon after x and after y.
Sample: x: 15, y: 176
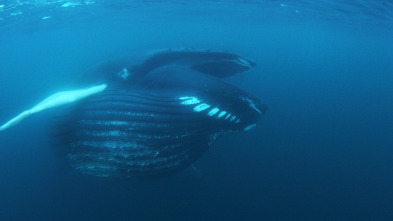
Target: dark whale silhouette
x: 159, y: 116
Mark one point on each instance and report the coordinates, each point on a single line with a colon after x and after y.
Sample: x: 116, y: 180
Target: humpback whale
x: 156, y: 117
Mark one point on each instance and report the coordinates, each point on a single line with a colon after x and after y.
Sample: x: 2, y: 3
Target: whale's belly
x: 125, y: 133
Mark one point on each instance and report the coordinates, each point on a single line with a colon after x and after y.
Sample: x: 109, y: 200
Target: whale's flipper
x: 219, y: 64
x: 55, y: 100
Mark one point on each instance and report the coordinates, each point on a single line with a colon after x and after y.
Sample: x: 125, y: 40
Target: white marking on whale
x: 201, y: 107
x: 249, y: 127
x: 124, y: 73
x: 222, y: 113
x: 193, y: 100
x: 55, y: 100
x: 185, y: 98
x: 111, y: 133
x: 213, y: 111
x: 251, y: 103
x: 243, y: 62
x: 102, y: 122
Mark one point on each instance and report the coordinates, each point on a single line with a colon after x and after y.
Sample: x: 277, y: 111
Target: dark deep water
x: 324, y: 150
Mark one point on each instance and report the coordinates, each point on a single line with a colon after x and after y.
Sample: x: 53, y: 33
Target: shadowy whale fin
x: 55, y: 100
x: 219, y: 64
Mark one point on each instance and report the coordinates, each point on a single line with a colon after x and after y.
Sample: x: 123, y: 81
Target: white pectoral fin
x: 55, y: 100
x: 15, y: 120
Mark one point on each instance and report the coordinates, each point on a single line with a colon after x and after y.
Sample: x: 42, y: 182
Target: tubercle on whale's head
x: 252, y: 111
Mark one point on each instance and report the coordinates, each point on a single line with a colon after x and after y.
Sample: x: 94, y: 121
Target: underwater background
x: 323, y: 151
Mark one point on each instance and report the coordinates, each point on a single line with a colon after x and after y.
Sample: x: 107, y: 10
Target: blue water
x: 323, y: 151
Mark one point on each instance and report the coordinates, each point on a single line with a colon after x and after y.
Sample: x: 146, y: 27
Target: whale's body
x: 160, y: 116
